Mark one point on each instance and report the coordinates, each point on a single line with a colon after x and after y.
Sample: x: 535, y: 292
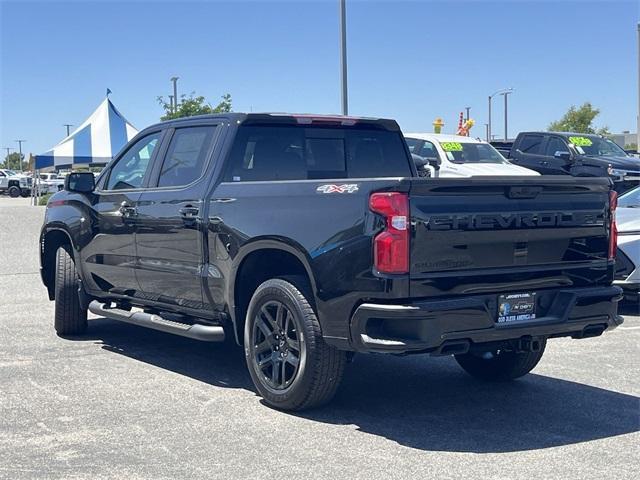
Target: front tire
x: 70, y: 317
x: 290, y: 364
x: 14, y: 192
x: 500, y: 365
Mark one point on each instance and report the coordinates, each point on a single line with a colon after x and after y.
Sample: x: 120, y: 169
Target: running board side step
x: 205, y: 333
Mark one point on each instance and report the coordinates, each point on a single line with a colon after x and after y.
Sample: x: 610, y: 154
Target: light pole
x: 638, y: 118
x: 467, y: 109
x: 343, y: 57
x: 502, y: 90
x: 20, y: 142
x: 8, y: 149
x: 68, y: 125
x: 175, y: 93
x: 506, y: 123
x: 172, y: 110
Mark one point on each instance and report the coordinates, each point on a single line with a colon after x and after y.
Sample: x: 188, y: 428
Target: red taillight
x: 391, y: 247
x: 613, y: 230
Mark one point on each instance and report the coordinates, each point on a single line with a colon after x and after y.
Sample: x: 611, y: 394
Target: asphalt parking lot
x: 125, y: 402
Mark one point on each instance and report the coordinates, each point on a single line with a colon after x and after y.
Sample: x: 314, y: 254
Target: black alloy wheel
x: 276, y: 345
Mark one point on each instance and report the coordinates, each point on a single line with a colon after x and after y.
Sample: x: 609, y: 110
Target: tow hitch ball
x: 529, y: 344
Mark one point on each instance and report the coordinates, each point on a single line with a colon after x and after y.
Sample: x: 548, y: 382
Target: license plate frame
x: 516, y: 307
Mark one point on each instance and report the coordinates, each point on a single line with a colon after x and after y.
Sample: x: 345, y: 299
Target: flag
x: 108, y: 91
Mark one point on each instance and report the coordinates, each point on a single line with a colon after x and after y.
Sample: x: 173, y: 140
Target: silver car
x: 628, y: 256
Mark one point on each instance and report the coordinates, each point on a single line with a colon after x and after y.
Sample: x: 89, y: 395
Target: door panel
x: 168, y: 236
x: 110, y: 257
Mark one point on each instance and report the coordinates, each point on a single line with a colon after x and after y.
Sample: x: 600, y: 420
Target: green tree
x: 193, y: 105
x: 578, y: 119
x: 12, y: 162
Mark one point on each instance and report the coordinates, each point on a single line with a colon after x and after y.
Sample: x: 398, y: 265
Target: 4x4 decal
x: 344, y: 188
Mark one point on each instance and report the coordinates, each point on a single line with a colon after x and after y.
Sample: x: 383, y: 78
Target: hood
x: 624, y: 163
x: 484, y: 169
x: 628, y: 219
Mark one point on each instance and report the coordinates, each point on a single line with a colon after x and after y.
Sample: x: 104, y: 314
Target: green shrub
x: 44, y: 199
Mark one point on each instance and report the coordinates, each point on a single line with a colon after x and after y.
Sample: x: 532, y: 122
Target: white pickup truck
x: 15, y: 184
x: 459, y: 156
x: 51, y: 182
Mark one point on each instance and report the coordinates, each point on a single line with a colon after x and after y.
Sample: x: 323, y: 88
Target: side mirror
x: 80, y: 182
x: 562, y: 155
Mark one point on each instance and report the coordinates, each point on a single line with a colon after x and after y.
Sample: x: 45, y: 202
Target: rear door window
x: 413, y: 144
x: 531, y: 144
x: 301, y: 152
x: 186, y: 156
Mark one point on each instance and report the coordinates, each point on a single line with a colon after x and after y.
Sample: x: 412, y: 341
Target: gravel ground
x: 125, y: 402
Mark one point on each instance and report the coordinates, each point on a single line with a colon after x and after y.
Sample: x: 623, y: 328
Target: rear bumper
x: 435, y: 325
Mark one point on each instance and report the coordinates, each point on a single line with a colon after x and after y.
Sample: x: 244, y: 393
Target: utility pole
x: 175, y: 93
x: 486, y: 128
x: 20, y: 142
x: 68, y: 125
x: 506, y: 122
x: 343, y: 57
x: 8, y: 149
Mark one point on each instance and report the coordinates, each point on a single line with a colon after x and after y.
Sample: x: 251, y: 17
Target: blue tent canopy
x: 96, y: 141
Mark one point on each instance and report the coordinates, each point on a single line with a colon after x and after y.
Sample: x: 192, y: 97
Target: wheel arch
x: 50, y: 240
x: 259, y: 261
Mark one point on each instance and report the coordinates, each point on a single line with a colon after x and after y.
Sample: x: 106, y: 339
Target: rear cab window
x: 303, y: 152
x: 531, y: 144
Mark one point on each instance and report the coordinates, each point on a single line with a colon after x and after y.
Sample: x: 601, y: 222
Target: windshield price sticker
x: 581, y: 141
x: 451, y: 146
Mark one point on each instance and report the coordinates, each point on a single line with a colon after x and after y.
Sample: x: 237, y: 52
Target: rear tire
x: 282, y: 335
x: 500, y: 365
x: 14, y: 191
x: 70, y: 317
x: 24, y: 194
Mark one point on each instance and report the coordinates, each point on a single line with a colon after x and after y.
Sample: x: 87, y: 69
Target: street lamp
x: 506, y: 123
x: 175, y: 93
x: 343, y: 57
x: 502, y: 90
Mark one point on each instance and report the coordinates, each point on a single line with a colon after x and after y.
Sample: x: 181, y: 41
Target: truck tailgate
x: 494, y: 234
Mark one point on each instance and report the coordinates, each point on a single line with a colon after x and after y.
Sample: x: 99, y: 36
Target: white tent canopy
x: 100, y: 137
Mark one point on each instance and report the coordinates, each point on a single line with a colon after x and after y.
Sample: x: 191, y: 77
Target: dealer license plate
x: 516, y: 307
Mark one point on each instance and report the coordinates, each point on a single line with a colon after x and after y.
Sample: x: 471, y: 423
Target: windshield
x: 10, y: 173
x: 458, y: 152
x: 631, y: 199
x: 597, y: 146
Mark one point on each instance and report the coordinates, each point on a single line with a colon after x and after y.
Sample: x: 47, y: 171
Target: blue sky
x: 411, y: 60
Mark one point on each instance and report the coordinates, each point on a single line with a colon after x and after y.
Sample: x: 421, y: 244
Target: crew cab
x: 460, y: 156
x: 577, y: 154
x: 14, y: 183
x: 307, y: 238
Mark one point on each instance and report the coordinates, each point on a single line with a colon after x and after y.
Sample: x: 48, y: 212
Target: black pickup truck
x: 307, y: 238
x: 577, y: 154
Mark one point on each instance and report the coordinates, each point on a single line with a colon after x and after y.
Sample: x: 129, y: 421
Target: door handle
x: 127, y: 211
x: 189, y: 214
